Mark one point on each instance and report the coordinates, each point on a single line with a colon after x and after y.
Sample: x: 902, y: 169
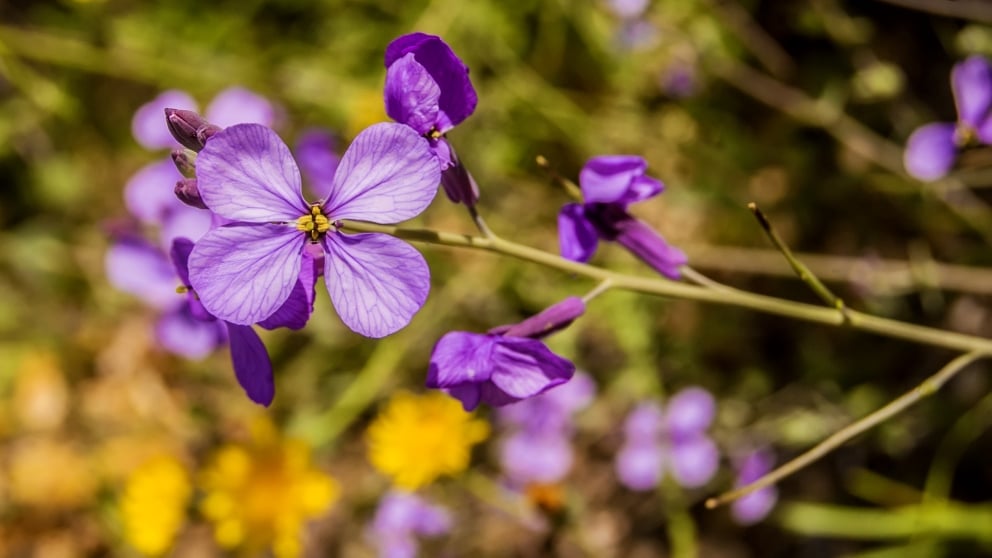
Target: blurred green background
x: 802, y: 107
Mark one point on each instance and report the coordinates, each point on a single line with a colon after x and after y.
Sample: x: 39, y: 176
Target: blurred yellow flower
x: 153, y: 506
x: 261, y: 495
x: 418, y: 438
x: 367, y: 107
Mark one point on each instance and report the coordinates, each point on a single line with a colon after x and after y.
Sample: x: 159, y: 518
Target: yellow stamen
x: 314, y: 224
x: 182, y: 289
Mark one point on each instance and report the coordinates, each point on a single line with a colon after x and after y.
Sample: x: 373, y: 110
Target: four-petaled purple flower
x: 244, y: 271
x: 673, y: 439
x: 932, y: 149
x: 609, y: 184
x: 505, y: 365
x: 757, y: 505
x: 428, y: 89
x: 400, y: 518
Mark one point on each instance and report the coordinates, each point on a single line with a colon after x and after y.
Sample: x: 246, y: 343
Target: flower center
x: 965, y: 135
x: 314, y: 224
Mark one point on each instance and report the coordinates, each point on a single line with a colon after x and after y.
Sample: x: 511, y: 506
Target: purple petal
x: 526, y: 367
x: 376, y: 282
x: 690, y: 412
x: 639, y: 466
x: 181, y: 333
x: 244, y: 273
x: 984, y: 130
x: 411, y: 94
x: 572, y: 396
x: 650, y: 247
x: 551, y: 319
x: 149, y: 195
x: 237, y: 105
x: 577, y: 237
x: 251, y: 364
x: 179, y: 254
x: 971, y: 82
x: 617, y: 179
x: 185, y: 222
x: 387, y: 175
x: 645, y: 423
x: 296, y: 311
x: 457, y: 181
x: 148, y: 124
x: 458, y: 97
x: 469, y: 394
x: 402, y: 513
x: 694, y: 461
x: 529, y: 458
x: 246, y: 173
x: 755, y: 506
x: 140, y: 269
x: 461, y: 357
x: 317, y: 156
x: 930, y: 151
x: 627, y: 9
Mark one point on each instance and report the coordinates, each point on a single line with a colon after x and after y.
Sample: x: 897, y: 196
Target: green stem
x: 662, y: 287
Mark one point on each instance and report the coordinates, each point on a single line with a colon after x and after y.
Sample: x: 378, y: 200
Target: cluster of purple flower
x: 400, y: 518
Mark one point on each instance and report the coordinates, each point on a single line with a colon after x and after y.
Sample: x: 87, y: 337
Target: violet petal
x: 181, y: 333
x: 140, y: 269
x: 971, y: 82
x: 244, y: 273
x: 296, y: 311
x: 645, y: 423
x: 376, y: 282
x: 387, y: 175
x: 617, y: 179
x: 458, y: 97
x: 237, y: 105
x: 577, y: 238
x: 251, y: 364
x: 639, y: 465
x: 650, y: 247
x: 551, y: 319
x: 526, y: 367
x: 930, y: 151
x: 149, y: 195
x: 148, y: 124
x: 411, y: 94
x: 318, y: 159
x: 689, y: 412
x: 461, y: 357
x: 694, y: 460
x: 536, y: 458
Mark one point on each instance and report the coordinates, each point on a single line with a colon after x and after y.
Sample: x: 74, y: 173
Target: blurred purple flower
x: 678, y: 80
x: 148, y: 127
x: 673, y: 439
x: 609, y: 184
x: 627, y: 9
x: 244, y: 271
x: 316, y: 153
x: 428, y: 89
x: 755, y: 506
x: 400, y: 519
x: 932, y: 149
x: 505, y: 365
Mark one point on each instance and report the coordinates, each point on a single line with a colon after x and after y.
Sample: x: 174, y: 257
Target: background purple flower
x: 400, y: 518
x: 673, y: 439
x: 609, y: 184
x: 244, y: 271
x: 755, y: 506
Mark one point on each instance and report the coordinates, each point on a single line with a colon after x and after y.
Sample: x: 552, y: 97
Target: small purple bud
x: 189, y: 128
x: 553, y: 318
x: 458, y: 183
x: 184, y: 161
x: 188, y: 193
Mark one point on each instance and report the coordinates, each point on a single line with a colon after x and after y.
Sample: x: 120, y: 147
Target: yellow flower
x: 153, y: 506
x: 418, y: 438
x: 261, y: 495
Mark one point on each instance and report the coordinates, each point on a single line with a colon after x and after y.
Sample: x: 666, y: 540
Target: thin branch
x: 975, y: 10
x: 926, y: 388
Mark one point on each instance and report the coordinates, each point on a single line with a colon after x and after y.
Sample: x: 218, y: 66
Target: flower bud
x: 553, y: 318
x: 189, y: 128
x: 458, y: 183
x: 188, y: 193
x: 185, y: 161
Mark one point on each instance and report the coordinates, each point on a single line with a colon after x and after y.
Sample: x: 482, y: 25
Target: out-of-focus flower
x: 933, y: 148
x: 400, y: 518
x: 153, y: 505
x: 50, y: 475
x: 41, y: 396
x: 674, y: 439
x: 609, y: 184
x: 678, y: 79
x: 757, y: 505
x: 261, y: 495
x: 243, y: 272
x: 417, y: 438
x: 505, y: 365
x: 537, y: 449
x: 316, y: 153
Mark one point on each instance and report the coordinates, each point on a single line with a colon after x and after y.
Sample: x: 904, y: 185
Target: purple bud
x: 188, y: 193
x: 553, y: 318
x: 189, y: 128
x: 184, y: 161
x: 458, y: 183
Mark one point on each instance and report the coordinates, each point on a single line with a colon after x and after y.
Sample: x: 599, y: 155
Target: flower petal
x: 617, y: 179
x: 140, y: 269
x: 246, y: 173
x: 930, y: 151
x: 690, y: 412
x: 644, y: 423
x: 244, y: 273
x: 149, y: 194
x: 376, y: 282
x: 181, y: 333
x: 296, y: 311
x: 460, y: 357
x: 317, y: 156
x: 251, y: 364
x: 647, y: 244
x: 148, y: 124
x: 694, y: 461
x: 971, y: 82
x: 526, y: 367
x: 237, y: 105
x: 185, y: 222
x: 458, y: 97
x: 536, y: 458
x: 387, y: 175
x: 411, y: 94
x: 639, y: 465
x: 577, y: 237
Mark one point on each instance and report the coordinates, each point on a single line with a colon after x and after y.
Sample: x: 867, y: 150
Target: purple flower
x: 609, y: 184
x: 428, y: 89
x: 755, y: 506
x: 505, y: 365
x: 244, y: 271
x: 146, y: 126
x: 400, y: 518
x: 656, y: 439
x: 932, y: 149
x: 317, y: 155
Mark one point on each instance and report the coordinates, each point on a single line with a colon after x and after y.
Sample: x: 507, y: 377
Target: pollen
x: 314, y: 224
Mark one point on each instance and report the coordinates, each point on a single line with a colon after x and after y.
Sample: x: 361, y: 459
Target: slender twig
x: 663, y: 287
x: 565, y: 184
x: 480, y: 223
x: 804, y: 273
x: 926, y: 388
x: 599, y: 289
x: 975, y: 10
